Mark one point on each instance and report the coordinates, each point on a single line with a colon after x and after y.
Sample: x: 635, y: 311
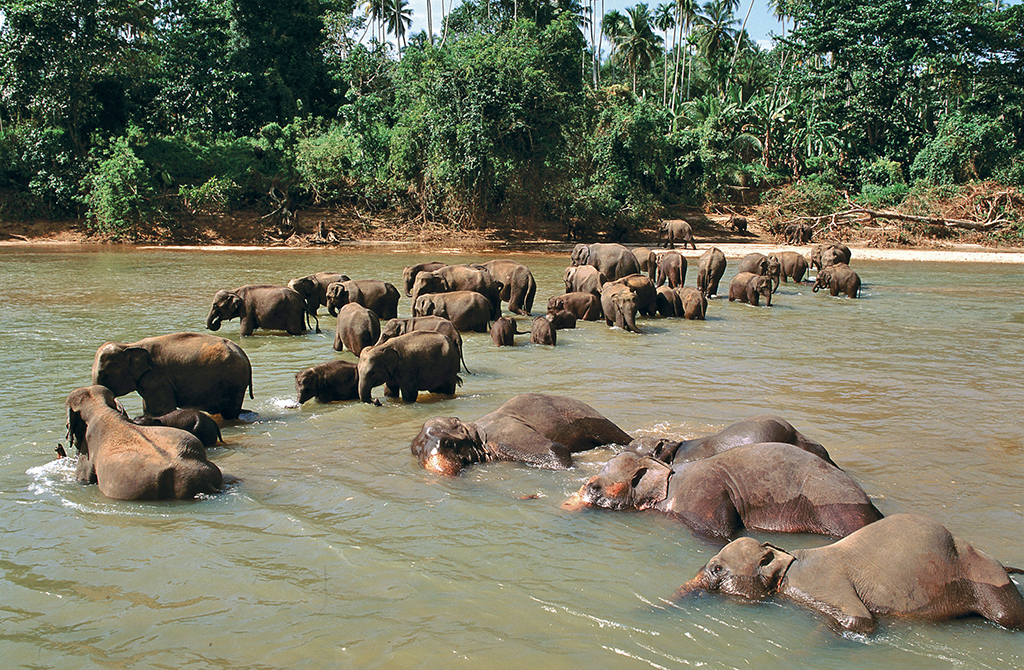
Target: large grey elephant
x: 676, y: 230
x: 193, y: 420
x: 791, y: 265
x: 177, y: 370
x: 905, y: 565
x: 454, y: 278
x: 379, y: 296
x: 747, y: 287
x: 838, y: 278
x: 132, y: 462
x: 759, y: 264
x: 611, y: 260
x: 584, y: 279
x: 410, y: 272
x: 356, y: 329
x: 671, y: 269
x: 328, y: 382
x: 769, y: 486
x: 437, y: 324
x: 313, y: 289
x: 710, y: 268
x: 535, y: 428
x: 259, y: 306
x: 468, y: 310
x: 518, y: 287
x: 407, y: 364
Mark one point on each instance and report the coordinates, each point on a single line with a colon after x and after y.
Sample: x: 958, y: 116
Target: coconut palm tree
x: 398, y: 20
x: 686, y: 16
x: 665, y: 20
x: 638, y: 45
x: 613, y: 26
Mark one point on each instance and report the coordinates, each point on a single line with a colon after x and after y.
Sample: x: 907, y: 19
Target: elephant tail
x: 250, y: 384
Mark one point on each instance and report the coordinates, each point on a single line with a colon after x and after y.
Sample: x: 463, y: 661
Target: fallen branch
x: 866, y: 216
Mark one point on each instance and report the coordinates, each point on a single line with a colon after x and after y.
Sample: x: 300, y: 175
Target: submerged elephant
x: 518, y: 287
x: 534, y: 428
x: 759, y: 264
x: 437, y: 324
x: 838, y: 278
x: 583, y: 279
x: 379, y: 296
x: 195, y: 421
x: 619, y: 305
x: 328, y: 382
x: 133, y: 462
x: 543, y: 331
x: 676, y: 230
x: 669, y: 303
x: 710, y: 268
x: 769, y: 486
x: 177, y: 370
x: 584, y: 306
x: 467, y: 310
x: 457, y: 279
x: 611, y: 260
x: 762, y: 428
x: 503, y: 332
x: 692, y: 303
x: 747, y: 287
x: 259, y: 306
x: 410, y: 272
x: 904, y: 565
x: 410, y: 363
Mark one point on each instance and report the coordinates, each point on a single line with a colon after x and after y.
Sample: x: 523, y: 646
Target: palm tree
x: 638, y: 44
x: 716, y: 33
x: 613, y: 26
x: 665, y: 19
x: 399, y: 19
x: 686, y: 15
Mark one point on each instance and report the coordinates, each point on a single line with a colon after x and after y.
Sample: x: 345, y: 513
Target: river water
x: 334, y: 549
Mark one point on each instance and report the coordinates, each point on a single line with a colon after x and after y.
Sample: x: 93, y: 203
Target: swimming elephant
x: 905, y: 565
x: 407, y: 364
x: 177, y: 370
x: 468, y: 310
x: 648, y: 261
x: 584, y: 306
x: 611, y: 260
x: 671, y: 269
x: 193, y: 420
x: 518, y: 287
x: 669, y: 303
x: 534, y: 428
x: 410, y: 272
x: 692, y: 303
x: 676, y: 230
x: 619, y: 305
x: 710, y: 268
x: 328, y: 382
x: 356, y: 329
x: 259, y: 306
x: 542, y: 331
x: 455, y: 278
x: 747, y: 287
x: 313, y: 289
x: 583, y: 279
x: 133, y: 462
x: 503, y: 332
x: 761, y: 428
x: 838, y: 278
x: 769, y: 486
x: 759, y: 264
x: 791, y: 265
x: 379, y: 296
x: 438, y: 324
x: 823, y: 255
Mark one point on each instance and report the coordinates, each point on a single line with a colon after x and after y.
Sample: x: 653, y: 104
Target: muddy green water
x: 334, y: 549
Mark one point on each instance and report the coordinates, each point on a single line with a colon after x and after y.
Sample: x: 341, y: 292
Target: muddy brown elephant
x: 759, y: 264
x: 542, y: 331
x: 313, y: 289
x: 410, y: 363
x: 583, y: 279
x: 437, y: 324
x: 648, y: 261
x: 791, y: 265
x: 380, y: 297
x: 410, y: 272
x: 676, y: 230
x: 838, y: 278
x: 671, y: 269
x: 710, y: 268
x: 748, y: 287
x: 905, y: 565
x: 133, y: 462
x: 619, y: 305
x: 798, y: 234
x: 669, y: 304
x: 333, y: 381
x: 584, y: 306
x: 177, y: 370
x: 770, y: 486
x: 692, y: 303
x: 503, y: 332
x: 823, y: 255
x: 193, y: 420
x: 455, y: 278
x: 467, y: 310
x: 259, y: 306
x: 518, y: 287
x: 611, y: 260
x: 356, y: 329
x: 534, y: 428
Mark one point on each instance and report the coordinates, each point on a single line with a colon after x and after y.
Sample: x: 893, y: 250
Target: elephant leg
x: 247, y: 326
x: 390, y: 390
x: 409, y: 393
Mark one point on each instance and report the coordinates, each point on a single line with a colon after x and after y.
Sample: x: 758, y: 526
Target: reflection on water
x: 333, y: 548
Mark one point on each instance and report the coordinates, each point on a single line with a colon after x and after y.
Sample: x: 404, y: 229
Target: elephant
x: 313, y: 289
x: 259, y: 306
x: 646, y: 293
x: 133, y: 462
x: 177, y: 370
x: 791, y: 264
x: 328, y: 382
x: 836, y: 278
x: 409, y: 273
x: 838, y: 253
x: 395, y: 327
x: 407, y: 364
x: 543, y: 332
x: 534, y: 428
x: 619, y: 305
x: 677, y: 229
x: 710, y: 268
x: 903, y: 565
x: 760, y: 264
x: 584, y: 306
x: 798, y: 234
x: 561, y: 319
x: 769, y: 486
x: 671, y: 269
x: 193, y: 420
x: 738, y: 224
x: 467, y: 310
x: 668, y: 302
x: 356, y: 329
x: 380, y: 297
x: 584, y: 279
x: 693, y: 303
x: 452, y: 278
x: 648, y: 261
x: 503, y: 332
x: 518, y: 287
x: 611, y: 260
x: 761, y: 428
x: 747, y: 286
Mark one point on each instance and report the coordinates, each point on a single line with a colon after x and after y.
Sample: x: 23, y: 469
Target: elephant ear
x: 773, y: 565
x: 391, y: 358
x: 139, y: 361
x: 650, y: 484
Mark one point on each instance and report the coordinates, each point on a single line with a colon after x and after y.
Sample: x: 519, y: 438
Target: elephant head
x: 580, y: 254
x: 309, y: 290
x: 745, y: 568
x: 119, y: 367
x: 774, y: 270
x: 762, y: 285
x: 377, y: 365
x: 226, y: 306
x: 425, y: 305
x: 446, y: 445
x: 556, y: 304
x: 823, y: 279
x: 391, y: 329
x: 831, y: 256
x: 429, y: 282
x: 625, y: 311
x: 627, y: 481
x: 337, y: 297
x: 81, y: 406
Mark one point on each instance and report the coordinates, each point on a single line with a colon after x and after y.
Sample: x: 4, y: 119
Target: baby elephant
x: 328, y: 382
x: 503, y: 332
x: 904, y: 565
x: 132, y: 462
x: 543, y: 332
x: 195, y: 421
x: 747, y: 287
x: 770, y: 486
x: 837, y: 278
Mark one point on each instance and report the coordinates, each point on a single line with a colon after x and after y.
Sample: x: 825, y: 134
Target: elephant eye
x: 716, y: 569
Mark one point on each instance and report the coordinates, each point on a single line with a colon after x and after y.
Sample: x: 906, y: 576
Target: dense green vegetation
x: 126, y: 110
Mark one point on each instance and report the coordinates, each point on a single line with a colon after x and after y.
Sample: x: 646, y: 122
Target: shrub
x: 965, y: 147
x: 118, y: 191
x: 217, y: 194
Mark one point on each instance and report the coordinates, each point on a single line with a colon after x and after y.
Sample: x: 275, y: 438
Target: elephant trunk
x: 691, y: 587
x: 365, y: 387
x: 213, y: 321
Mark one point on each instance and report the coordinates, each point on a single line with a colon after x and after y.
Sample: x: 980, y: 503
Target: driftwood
x: 863, y: 215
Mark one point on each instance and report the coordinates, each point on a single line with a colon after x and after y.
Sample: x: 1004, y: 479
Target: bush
x: 218, y: 194
x: 118, y: 191
x: 966, y: 147
x: 40, y: 163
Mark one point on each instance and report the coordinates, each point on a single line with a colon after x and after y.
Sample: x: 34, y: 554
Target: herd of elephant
x: 759, y: 474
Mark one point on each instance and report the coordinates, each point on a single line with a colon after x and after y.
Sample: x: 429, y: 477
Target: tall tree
x: 665, y: 20
x: 637, y: 44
